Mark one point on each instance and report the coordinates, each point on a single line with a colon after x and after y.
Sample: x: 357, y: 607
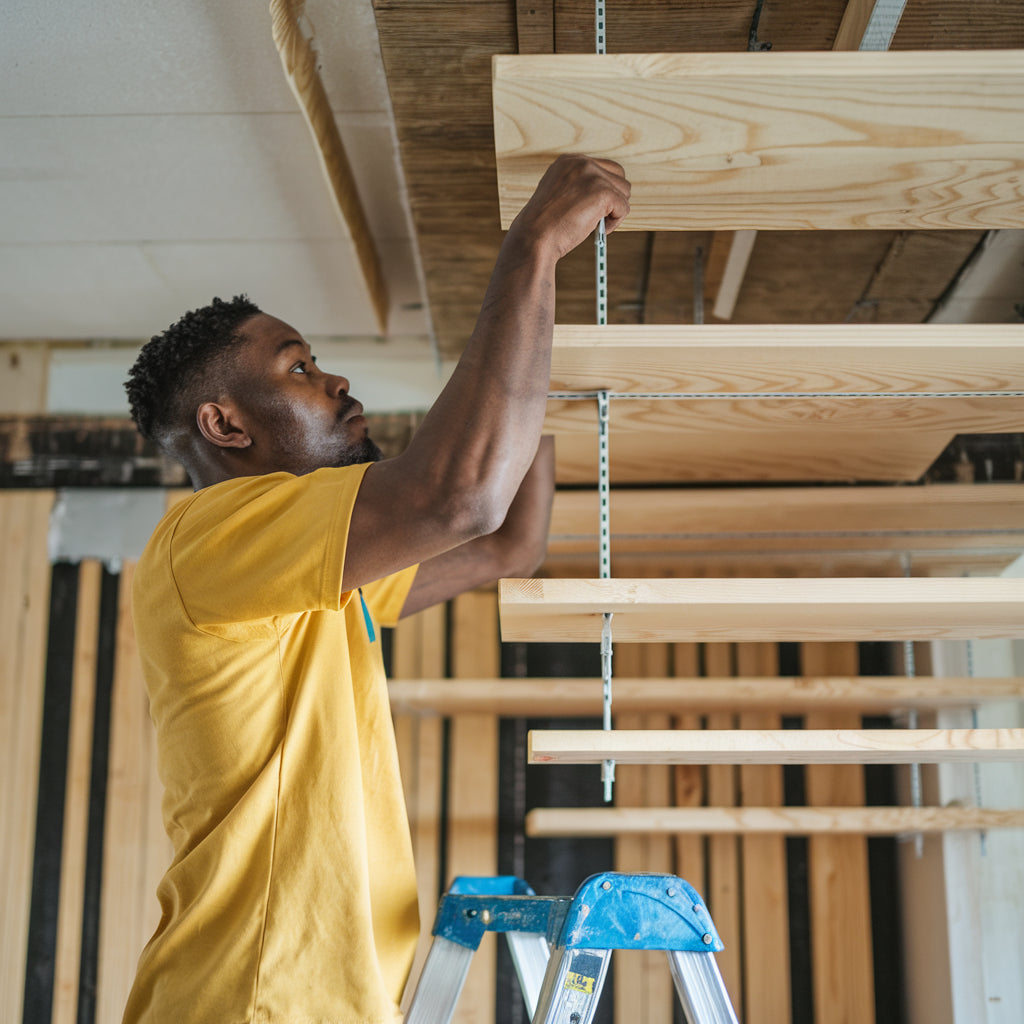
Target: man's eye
x: 298, y: 368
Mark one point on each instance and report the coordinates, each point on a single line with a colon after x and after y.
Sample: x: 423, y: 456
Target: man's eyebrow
x: 285, y: 345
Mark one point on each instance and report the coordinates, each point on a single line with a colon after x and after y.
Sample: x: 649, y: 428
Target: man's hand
x: 574, y: 194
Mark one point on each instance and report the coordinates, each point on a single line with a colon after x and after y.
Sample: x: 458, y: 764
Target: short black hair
x: 161, y: 385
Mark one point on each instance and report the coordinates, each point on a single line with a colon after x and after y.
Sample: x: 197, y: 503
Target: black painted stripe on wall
x: 107, y: 641
x: 53, y: 769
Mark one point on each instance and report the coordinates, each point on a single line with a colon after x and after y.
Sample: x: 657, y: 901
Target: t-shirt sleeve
x: 385, y: 597
x: 259, y: 547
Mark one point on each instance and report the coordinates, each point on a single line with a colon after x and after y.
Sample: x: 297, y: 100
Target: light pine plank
x: 752, y: 456
x: 723, y: 895
x: 765, y: 885
x: 688, y: 780
x: 764, y: 823
x: 752, y: 520
x: 792, y: 694
x: 789, y: 419
x: 762, y: 609
x: 843, y: 971
x: 419, y: 649
x: 643, y: 986
x: 76, y: 801
x: 838, y: 140
x: 745, y: 746
x: 24, y: 607
x: 473, y: 785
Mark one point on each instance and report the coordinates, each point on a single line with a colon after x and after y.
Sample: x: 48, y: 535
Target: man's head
x: 230, y: 391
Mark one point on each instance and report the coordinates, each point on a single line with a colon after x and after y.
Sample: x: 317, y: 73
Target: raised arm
x: 457, y: 479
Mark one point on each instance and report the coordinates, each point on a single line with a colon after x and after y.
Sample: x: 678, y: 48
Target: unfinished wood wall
x: 84, y: 848
x: 83, y: 843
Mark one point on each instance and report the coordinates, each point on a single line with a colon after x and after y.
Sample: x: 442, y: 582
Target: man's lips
x: 353, y: 410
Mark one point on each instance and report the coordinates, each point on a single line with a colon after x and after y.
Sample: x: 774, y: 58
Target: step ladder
x: 561, y: 946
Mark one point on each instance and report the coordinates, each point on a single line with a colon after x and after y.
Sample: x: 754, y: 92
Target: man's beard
x: 362, y: 451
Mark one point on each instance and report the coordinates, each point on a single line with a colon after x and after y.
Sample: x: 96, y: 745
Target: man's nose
x: 337, y: 385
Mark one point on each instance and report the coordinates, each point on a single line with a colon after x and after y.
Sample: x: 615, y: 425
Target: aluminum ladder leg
x: 609, y: 911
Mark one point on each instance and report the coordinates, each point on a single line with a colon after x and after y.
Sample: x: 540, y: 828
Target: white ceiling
x: 152, y: 156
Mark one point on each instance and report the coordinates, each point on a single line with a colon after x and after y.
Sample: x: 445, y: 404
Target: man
x: 291, y: 898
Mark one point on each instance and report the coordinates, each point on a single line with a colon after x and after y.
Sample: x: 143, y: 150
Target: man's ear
x: 222, y: 426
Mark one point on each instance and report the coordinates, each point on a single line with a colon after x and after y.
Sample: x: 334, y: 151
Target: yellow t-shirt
x: 291, y: 898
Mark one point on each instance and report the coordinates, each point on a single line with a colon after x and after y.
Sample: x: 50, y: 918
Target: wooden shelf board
x: 736, y: 519
x: 558, y: 697
x: 871, y: 821
x: 647, y: 610
x: 751, y: 456
x: 888, y: 140
x: 785, y: 746
x: 724, y: 358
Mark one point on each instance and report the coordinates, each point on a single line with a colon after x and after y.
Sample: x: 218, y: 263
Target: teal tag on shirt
x: 370, y: 631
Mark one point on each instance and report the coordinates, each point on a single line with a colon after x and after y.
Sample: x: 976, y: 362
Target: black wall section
x: 554, y: 867
x: 53, y: 766
x: 107, y: 642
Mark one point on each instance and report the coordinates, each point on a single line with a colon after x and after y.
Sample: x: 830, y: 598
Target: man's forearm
x: 487, y: 422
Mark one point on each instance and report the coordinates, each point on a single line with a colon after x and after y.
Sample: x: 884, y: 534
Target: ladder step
x: 775, y: 746
x: 648, y: 610
x: 938, y: 138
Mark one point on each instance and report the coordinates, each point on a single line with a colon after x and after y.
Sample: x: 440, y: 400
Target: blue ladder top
x: 608, y: 911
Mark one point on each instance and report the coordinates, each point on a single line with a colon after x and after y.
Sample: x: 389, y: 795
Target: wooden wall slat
x: 76, y: 802
x: 129, y: 911
x: 765, y: 887
x: 688, y: 780
x: 473, y: 785
x: 419, y: 650
x: 24, y: 607
x: 843, y: 973
x: 643, y: 984
x: 723, y: 895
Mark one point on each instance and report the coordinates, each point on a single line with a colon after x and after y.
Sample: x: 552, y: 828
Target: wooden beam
x: 773, y: 358
x: 301, y: 68
x: 547, y: 822
x: 741, y: 245
x: 788, y: 694
x: 762, y: 609
x: 786, y: 746
x: 835, y: 140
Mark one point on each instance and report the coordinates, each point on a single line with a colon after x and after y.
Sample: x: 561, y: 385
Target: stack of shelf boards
x: 880, y: 140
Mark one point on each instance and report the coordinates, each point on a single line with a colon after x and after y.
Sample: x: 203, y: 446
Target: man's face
x: 300, y: 418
